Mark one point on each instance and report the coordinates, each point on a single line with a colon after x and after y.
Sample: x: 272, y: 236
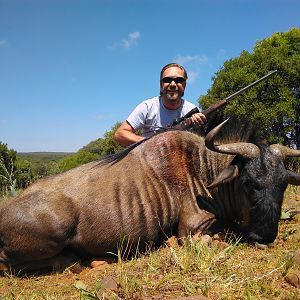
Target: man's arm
x: 125, y: 135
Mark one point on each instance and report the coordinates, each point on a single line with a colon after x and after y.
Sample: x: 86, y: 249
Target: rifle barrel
x: 251, y: 85
x: 222, y: 102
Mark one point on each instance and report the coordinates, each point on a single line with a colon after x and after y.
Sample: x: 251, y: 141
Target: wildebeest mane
x: 235, y: 130
x: 115, y: 157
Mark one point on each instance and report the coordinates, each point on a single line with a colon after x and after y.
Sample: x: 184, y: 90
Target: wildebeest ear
x: 226, y: 175
x: 293, y: 178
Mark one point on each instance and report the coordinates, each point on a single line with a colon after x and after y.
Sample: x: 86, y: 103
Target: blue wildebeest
x: 169, y: 184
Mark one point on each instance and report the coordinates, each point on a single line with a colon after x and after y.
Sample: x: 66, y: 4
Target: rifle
x: 220, y: 103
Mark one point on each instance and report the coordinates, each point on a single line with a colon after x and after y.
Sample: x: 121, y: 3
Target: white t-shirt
x: 151, y: 115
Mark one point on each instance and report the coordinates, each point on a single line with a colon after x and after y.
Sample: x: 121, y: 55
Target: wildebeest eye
x: 251, y: 182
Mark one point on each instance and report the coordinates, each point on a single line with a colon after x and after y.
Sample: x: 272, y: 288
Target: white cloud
x: 191, y: 60
x: 131, y: 40
x: 4, y: 44
x: 192, y: 64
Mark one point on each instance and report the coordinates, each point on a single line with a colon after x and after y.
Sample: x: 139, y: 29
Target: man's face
x: 173, y: 90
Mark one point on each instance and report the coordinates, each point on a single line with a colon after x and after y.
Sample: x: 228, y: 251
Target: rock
x: 109, y: 283
x: 172, y: 242
x: 221, y: 245
x: 293, y: 278
x: 205, y: 239
x: 296, y: 257
x: 199, y: 297
x: 98, y: 263
x: 76, y: 268
x: 216, y: 236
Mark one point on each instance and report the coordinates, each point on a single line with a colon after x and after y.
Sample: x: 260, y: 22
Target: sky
x: 71, y: 69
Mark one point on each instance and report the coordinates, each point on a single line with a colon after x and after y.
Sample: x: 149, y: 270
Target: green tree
x: 109, y: 145
x: 7, y: 169
x: 24, y: 174
x: 94, y: 146
x: 77, y: 159
x: 106, y: 145
x: 273, y: 104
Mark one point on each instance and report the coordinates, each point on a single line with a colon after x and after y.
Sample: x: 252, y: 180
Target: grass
x: 216, y: 270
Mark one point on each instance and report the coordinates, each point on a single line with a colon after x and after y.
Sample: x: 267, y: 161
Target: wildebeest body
x: 159, y: 188
x: 90, y: 208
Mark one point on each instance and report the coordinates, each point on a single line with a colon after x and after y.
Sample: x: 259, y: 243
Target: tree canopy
x: 274, y: 104
x: 7, y: 169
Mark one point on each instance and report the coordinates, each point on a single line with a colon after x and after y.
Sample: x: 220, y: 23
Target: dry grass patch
x: 216, y: 270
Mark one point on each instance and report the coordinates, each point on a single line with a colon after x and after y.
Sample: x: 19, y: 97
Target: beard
x: 173, y: 95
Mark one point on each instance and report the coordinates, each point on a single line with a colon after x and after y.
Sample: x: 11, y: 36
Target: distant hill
x: 43, y: 156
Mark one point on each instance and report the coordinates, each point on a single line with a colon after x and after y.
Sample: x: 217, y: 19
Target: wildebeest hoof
x: 271, y: 245
x: 264, y: 246
x: 260, y: 246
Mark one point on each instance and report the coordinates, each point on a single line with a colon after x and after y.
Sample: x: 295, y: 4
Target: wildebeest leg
x: 192, y: 219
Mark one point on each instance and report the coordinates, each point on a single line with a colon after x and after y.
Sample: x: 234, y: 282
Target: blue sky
x: 69, y: 70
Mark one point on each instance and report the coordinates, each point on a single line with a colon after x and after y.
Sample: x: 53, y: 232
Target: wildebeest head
x: 260, y: 179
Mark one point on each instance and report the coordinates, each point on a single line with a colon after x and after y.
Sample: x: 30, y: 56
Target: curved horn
x: 283, y: 151
x: 246, y: 150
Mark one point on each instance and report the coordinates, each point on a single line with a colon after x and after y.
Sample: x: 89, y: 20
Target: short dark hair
x: 173, y: 65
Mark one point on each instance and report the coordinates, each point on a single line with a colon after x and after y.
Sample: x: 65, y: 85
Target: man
x: 152, y: 114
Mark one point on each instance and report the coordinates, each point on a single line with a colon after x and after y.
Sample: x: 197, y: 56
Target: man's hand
x: 198, y: 119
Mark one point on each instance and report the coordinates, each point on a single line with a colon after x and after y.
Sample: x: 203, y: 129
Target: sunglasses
x: 175, y: 79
